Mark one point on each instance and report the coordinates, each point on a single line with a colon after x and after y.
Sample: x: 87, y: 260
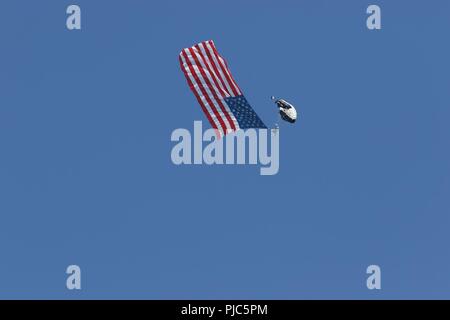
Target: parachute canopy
x: 287, y: 110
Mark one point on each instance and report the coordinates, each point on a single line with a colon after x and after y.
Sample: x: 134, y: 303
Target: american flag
x: 216, y: 90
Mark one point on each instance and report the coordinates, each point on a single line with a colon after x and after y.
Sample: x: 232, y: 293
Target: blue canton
x: 244, y: 113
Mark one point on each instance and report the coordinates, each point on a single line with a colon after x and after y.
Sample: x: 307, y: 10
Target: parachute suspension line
x: 277, y: 115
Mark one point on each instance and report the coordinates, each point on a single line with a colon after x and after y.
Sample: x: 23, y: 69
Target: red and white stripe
x: 211, y: 81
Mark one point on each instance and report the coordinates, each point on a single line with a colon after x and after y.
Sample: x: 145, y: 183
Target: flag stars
x: 243, y: 112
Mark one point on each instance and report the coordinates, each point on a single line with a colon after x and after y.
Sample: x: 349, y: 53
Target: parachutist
x: 275, y: 130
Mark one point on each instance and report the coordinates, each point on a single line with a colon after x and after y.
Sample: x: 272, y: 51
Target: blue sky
x: 86, y: 176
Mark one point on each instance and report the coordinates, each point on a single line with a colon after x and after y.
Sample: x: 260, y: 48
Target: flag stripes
x: 210, y: 80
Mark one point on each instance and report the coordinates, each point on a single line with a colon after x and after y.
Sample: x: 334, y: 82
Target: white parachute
x: 287, y: 110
